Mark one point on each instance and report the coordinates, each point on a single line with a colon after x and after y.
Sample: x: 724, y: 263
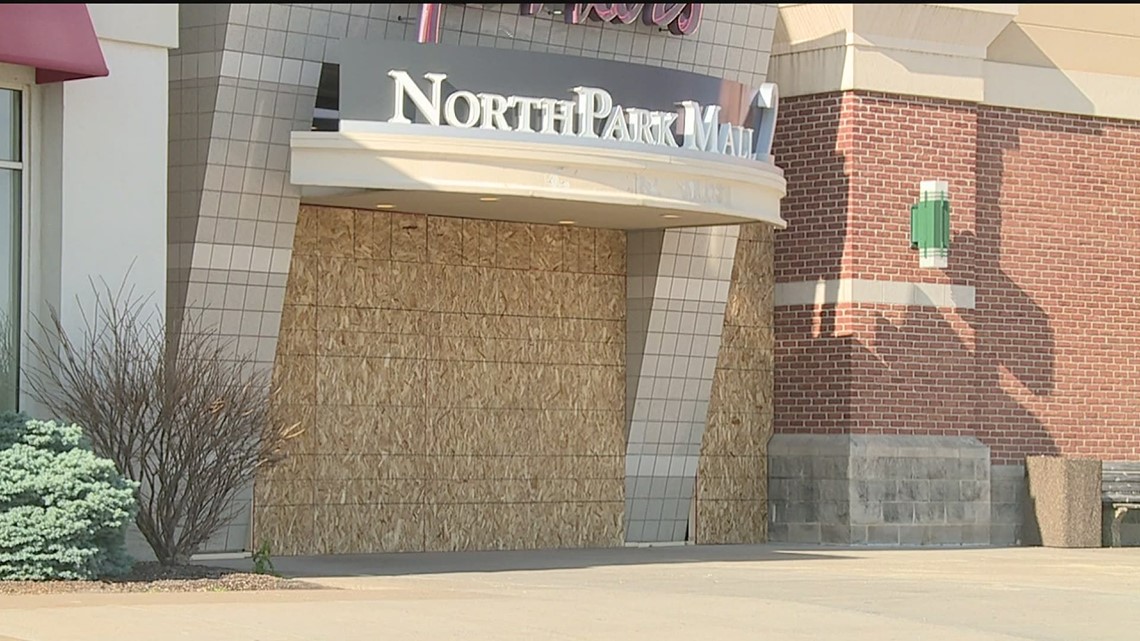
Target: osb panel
x: 609, y: 252
x: 303, y: 439
x: 301, y: 288
x: 513, y: 245
x: 462, y: 385
x: 474, y: 526
x: 732, y: 503
x: 445, y: 240
x: 352, y: 528
x: 334, y: 232
x: 479, y: 243
x: 732, y: 521
x: 294, y: 379
x: 409, y: 238
x: 581, y: 249
x: 549, y: 250
x: 372, y: 235
x: 308, y: 232
x: 288, y: 529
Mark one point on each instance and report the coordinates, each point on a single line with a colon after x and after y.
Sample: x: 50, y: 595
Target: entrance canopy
x: 535, y: 178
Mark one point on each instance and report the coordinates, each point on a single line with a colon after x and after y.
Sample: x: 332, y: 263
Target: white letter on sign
x: 640, y: 125
x: 450, y: 115
x: 494, y: 112
x: 616, y: 127
x: 729, y: 140
x: 593, y: 103
x: 524, y: 107
x: 663, y: 122
x: 701, y: 129
x: 560, y: 111
x: 405, y: 86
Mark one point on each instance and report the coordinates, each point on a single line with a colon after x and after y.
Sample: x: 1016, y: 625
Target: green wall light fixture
x: 930, y: 224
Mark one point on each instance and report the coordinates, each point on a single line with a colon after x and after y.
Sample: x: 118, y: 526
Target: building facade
x: 488, y: 353
x: 538, y: 276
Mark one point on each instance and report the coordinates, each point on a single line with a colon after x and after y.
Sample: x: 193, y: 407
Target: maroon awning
x: 57, y: 39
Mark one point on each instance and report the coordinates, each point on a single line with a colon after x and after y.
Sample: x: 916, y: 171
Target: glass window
x: 11, y: 183
x: 9, y: 125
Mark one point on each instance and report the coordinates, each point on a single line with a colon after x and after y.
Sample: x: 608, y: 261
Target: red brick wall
x: 898, y: 144
x: 813, y: 145
x: 1058, y: 288
x: 1045, y: 225
x: 913, y: 371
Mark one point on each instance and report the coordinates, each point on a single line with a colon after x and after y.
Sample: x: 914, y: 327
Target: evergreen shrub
x: 63, y: 510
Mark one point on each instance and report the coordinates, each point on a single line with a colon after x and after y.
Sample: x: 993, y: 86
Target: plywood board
x: 462, y: 383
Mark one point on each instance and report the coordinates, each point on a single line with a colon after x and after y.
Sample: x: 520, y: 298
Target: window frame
x: 19, y: 165
x: 24, y: 279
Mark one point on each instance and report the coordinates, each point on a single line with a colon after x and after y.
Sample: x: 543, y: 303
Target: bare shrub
x: 183, y: 415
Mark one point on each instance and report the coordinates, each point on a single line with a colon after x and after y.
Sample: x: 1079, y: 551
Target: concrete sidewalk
x: 706, y: 593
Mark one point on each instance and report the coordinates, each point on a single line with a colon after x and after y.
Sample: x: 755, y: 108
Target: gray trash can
x: 1064, y: 502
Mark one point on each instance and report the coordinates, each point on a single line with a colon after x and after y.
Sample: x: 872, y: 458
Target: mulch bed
x: 153, y: 577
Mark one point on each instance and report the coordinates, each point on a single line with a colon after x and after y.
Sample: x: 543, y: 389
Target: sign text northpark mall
x: 591, y: 114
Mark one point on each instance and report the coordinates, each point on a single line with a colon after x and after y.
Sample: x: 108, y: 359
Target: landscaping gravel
x: 153, y: 577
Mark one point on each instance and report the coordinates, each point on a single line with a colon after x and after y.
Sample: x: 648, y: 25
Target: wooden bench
x: 1120, y: 490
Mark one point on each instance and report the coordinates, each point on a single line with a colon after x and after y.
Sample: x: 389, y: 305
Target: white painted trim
x: 421, y: 158
x: 16, y: 76
x: 875, y: 292
x: 41, y: 259
x: 7, y: 164
x: 27, y: 253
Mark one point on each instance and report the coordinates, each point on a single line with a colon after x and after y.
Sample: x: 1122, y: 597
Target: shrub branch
x: 185, y: 416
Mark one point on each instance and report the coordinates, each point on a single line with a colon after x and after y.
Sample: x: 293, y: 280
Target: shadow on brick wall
x: 1013, y: 332
x: 1014, y: 338
x: 1016, y: 220
x: 933, y: 381
x: 919, y: 371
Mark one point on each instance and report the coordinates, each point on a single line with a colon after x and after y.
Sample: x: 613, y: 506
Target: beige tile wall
x: 732, y: 488
x: 462, y: 384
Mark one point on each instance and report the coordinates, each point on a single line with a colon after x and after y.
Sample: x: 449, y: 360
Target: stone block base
x: 879, y: 490
x: 1009, y: 495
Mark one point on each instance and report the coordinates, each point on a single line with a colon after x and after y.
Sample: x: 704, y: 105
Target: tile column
x: 677, y: 288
